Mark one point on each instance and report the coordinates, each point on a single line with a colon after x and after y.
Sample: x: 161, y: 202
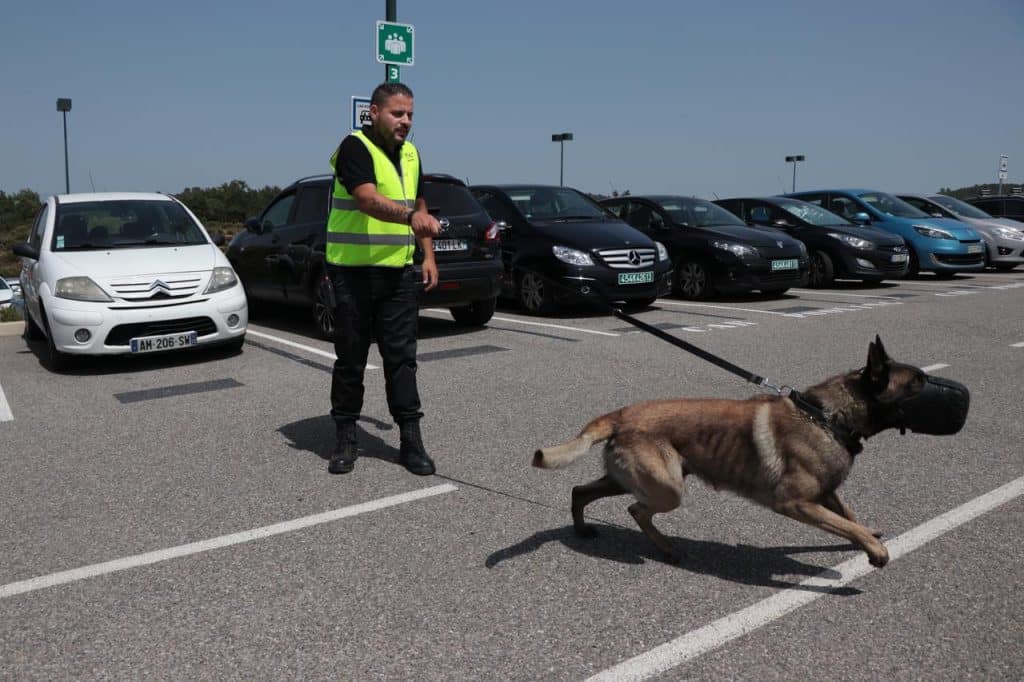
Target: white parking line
x: 63, y: 577
x: 827, y: 292
x: 724, y: 307
x: 1017, y: 345
x: 536, y: 324
x: 308, y: 349
x: 5, y: 408
x: 713, y: 635
x: 932, y: 368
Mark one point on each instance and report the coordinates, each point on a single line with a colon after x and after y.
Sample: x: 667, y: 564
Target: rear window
x: 127, y: 223
x: 447, y: 199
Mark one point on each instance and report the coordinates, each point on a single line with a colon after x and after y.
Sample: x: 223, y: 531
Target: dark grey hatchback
x: 280, y: 255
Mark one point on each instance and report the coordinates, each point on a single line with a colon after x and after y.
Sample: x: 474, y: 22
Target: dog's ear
x: 876, y: 373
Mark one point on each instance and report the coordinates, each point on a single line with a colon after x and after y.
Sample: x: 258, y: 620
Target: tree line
x: 231, y: 202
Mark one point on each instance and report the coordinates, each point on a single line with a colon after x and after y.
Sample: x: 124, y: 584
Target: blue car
x: 940, y: 245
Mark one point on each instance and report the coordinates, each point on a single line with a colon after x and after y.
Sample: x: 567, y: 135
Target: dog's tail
x: 557, y: 456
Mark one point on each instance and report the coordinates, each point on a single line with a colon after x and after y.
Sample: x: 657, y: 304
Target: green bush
x: 10, y: 314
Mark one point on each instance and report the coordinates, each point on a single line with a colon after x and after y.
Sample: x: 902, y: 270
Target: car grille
x: 627, y: 259
x: 122, y: 333
x: 897, y: 248
x: 969, y: 259
x: 148, y: 287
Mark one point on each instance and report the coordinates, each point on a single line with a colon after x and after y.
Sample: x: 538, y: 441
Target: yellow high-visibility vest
x: 354, y: 238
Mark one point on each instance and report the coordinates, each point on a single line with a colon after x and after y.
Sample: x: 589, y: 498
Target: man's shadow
x: 317, y: 435
x: 744, y: 564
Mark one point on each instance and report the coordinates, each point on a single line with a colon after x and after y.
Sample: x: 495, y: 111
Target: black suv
x: 280, y: 255
x: 838, y: 247
x: 1001, y: 205
x: 713, y: 250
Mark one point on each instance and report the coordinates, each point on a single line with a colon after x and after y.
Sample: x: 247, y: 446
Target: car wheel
x: 32, y: 331
x: 323, y: 313
x: 691, y: 280
x: 476, y: 314
x: 535, y: 294
x: 822, y: 272
x: 56, y: 360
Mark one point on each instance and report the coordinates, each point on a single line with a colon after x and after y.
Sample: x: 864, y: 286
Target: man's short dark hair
x: 384, y: 91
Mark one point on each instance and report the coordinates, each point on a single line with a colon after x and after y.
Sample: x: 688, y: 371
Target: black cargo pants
x: 383, y: 304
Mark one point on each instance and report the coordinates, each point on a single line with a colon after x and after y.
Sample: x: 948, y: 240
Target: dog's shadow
x: 317, y: 434
x: 744, y: 564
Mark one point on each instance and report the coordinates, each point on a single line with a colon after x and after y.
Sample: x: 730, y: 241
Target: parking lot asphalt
x: 172, y: 516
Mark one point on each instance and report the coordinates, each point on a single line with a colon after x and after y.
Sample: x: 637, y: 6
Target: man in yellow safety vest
x: 377, y: 217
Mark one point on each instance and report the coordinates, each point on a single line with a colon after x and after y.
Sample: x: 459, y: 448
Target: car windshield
x: 890, y: 205
x: 959, y: 207
x: 449, y: 199
x: 809, y: 213
x: 697, y: 213
x: 124, y: 223
x: 554, y: 203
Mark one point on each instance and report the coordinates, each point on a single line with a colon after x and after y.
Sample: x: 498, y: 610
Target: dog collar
x: 849, y: 438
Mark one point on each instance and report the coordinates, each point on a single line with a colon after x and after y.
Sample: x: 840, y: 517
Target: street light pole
x: 64, y: 106
x: 793, y: 160
x: 560, y: 138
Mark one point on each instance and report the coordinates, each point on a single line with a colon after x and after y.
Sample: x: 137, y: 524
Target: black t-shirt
x: 354, y: 165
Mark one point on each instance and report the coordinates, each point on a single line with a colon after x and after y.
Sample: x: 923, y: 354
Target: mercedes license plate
x: 151, y: 344
x: 450, y: 245
x: 974, y: 248
x: 900, y: 258
x: 785, y: 264
x: 636, y: 277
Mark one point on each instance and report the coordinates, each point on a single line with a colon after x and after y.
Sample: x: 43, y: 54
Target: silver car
x: 1004, y: 238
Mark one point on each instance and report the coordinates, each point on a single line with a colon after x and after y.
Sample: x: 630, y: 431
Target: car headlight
x: 571, y: 256
x: 740, y: 250
x: 223, y: 278
x: 855, y: 242
x: 662, y: 251
x: 932, y: 232
x: 1009, y: 233
x: 80, y: 289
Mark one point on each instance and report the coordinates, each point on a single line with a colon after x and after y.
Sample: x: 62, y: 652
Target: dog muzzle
x: 939, y: 409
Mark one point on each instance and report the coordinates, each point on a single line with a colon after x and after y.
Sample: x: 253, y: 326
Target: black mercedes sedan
x: 838, y: 248
x: 557, y: 244
x: 712, y: 250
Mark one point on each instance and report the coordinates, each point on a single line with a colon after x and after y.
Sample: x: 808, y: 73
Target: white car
x: 6, y: 294
x: 126, y: 273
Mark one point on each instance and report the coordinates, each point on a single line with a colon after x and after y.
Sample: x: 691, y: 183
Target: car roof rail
x: 320, y: 176
x: 443, y: 177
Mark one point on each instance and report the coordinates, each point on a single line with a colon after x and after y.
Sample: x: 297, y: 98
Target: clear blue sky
x: 662, y: 96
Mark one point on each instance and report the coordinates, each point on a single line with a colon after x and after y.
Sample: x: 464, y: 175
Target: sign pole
x: 390, y: 14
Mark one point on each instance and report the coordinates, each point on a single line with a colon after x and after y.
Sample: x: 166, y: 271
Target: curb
x: 11, y: 328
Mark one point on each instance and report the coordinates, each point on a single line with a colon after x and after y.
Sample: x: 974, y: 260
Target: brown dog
x: 765, y: 448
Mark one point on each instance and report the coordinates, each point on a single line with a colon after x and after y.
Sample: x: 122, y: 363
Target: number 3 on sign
x: 393, y: 73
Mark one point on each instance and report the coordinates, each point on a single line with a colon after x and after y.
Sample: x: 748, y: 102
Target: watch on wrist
x: 408, y: 218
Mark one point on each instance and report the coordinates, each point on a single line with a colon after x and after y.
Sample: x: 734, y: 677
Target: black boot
x: 412, y: 455
x: 343, y: 459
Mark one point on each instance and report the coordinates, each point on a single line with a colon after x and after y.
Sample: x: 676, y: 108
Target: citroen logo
x: 634, y: 257
x: 158, y: 288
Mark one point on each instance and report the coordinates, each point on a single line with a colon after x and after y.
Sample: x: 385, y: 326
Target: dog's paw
x: 879, y: 559
x: 586, y: 531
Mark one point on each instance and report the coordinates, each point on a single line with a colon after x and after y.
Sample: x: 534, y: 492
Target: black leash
x: 849, y: 439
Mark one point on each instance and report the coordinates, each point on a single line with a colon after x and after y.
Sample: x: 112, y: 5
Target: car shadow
x: 315, y: 436
x: 743, y: 564
x: 99, y: 365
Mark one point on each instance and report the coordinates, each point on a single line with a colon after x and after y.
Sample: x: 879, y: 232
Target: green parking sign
x: 394, y: 43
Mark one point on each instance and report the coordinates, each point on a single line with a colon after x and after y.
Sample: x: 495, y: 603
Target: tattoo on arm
x: 385, y: 209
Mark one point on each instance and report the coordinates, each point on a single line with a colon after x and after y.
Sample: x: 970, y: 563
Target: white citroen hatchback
x: 126, y: 273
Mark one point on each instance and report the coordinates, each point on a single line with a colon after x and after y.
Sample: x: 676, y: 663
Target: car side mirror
x: 781, y: 222
x: 25, y: 250
x: 253, y: 225
x: 861, y: 218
